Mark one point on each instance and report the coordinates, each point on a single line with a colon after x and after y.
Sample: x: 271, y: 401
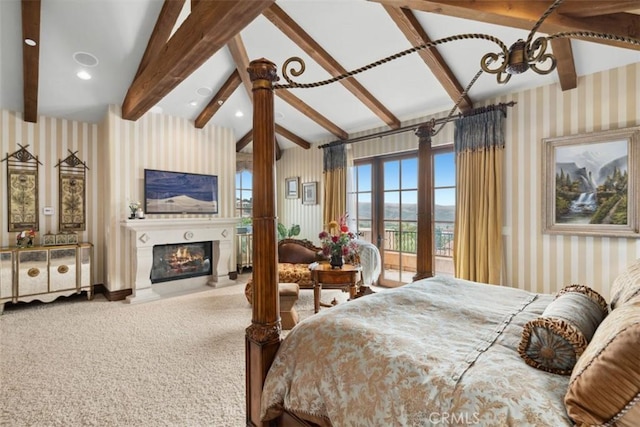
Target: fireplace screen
x: 180, y: 261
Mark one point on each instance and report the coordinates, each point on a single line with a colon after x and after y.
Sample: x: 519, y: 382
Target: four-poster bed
x: 423, y: 363
x: 447, y: 350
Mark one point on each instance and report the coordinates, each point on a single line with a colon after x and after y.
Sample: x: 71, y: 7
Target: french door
x: 386, y: 191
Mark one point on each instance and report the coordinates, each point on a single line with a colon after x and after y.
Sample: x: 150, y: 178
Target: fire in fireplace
x: 181, y: 261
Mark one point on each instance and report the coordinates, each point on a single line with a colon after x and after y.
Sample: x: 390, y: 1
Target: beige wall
x: 533, y: 261
x: 157, y: 141
x: 116, y: 151
x: 51, y: 140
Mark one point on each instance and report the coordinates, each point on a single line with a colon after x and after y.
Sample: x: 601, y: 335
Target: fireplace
x: 144, y: 235
x: 180, y: 261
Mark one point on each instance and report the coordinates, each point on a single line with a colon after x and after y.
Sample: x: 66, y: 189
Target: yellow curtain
x: 479, y: 198
x: 335, y: 183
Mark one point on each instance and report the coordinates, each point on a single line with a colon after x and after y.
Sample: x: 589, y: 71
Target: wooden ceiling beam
x: 583, y: 9
x: 30, y: 58
x: 312, y: 48
x: 565, y: 66
x: 292, y: 137
x: 524, y: 15
x: 308, y: 111
x: 240, y: 57
x: 244, y: 141
x: 209, y: 27
x: 413, y: 31
x: 228, y: 87
x: 161, y: 31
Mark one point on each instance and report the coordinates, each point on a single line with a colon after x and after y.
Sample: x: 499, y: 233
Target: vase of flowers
x: 133, y: 207
x: 25, y: 238
x: 337, y: 242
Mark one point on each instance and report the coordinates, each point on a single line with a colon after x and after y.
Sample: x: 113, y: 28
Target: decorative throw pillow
x: 604, y: 388
x: 554, y: 341
x: 626, y: 285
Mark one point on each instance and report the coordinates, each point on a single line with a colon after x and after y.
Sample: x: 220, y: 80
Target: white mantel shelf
x: 145, y: 233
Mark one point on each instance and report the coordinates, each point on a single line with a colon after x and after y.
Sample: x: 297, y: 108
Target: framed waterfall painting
x: 591, y: 184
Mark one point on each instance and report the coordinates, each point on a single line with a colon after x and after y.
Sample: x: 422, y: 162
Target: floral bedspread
x: 440, y: 351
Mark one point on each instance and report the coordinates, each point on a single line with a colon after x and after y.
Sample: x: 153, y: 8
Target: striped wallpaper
x: 117, y: 151
x: 533, y: 261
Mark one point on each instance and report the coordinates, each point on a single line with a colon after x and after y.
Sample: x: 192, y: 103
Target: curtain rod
x: 501, y: 106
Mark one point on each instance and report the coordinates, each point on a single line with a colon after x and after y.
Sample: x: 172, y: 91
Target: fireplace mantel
x: 144, y: 234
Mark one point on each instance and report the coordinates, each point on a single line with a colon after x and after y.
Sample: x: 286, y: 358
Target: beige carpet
x: 178, y: 361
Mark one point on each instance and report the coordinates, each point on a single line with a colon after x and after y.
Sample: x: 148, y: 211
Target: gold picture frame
x: 591, y: 182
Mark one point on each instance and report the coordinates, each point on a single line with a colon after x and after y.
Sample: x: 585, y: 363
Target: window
x: 244, y: 197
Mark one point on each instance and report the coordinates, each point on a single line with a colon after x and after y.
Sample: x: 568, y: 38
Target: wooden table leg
x: 317, y: 287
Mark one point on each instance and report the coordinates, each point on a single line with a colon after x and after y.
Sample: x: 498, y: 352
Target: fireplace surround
x: 144, y: 234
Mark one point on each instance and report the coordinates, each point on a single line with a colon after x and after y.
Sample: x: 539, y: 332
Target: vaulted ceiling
x: 189, y: 58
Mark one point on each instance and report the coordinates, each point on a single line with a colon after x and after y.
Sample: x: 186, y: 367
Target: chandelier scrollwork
x: 517, y: 59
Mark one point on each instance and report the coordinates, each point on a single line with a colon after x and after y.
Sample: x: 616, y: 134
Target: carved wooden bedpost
x: 424, y: 255
x: 263, y: 336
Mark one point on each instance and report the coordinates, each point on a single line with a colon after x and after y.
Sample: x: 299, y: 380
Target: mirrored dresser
x: 45, y: 273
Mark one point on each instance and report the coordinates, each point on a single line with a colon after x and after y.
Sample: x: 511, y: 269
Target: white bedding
x: 440, y: 351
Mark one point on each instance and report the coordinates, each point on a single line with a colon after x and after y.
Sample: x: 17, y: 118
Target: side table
x: 345, y: 278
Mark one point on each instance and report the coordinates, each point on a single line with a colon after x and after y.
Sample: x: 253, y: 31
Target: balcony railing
x: 406, y: 241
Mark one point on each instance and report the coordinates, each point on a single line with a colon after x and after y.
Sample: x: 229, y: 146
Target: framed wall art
x: 591, y: 184
x: 72, y: 193
x: 309, y: 193
x: 22, y: 190
x: 291, y: 187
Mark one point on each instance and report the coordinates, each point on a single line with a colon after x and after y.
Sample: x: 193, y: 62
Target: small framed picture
x: 309, y: 193
x: 291, y: 187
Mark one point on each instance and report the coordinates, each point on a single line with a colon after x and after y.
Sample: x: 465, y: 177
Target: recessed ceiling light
x: 193, y: 103
x: 279, y: 115
x: 204, y: 91
x: 30, y: 42
x: 220, y: 102
x: 239, y: 113
x: 85, y: 59
x: 82, y: 74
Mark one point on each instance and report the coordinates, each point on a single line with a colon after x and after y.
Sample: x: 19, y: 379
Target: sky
x: 404, y: 174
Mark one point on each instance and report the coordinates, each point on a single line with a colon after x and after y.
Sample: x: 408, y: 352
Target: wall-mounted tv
x: 167, y: 192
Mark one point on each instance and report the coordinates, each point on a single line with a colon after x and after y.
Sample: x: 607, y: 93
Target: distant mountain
x: 409, y: 211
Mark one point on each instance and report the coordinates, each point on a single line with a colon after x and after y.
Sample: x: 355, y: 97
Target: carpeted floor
x: 178, y: 361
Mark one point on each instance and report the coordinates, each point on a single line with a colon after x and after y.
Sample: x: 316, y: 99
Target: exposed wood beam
x: 161, y: 31
x: 278, y: 149
x: 292, y: 137
x: 30, y: 58
x: 219, y: 98
x: 583, y: 9
x: 240, y: 57
x: 244, y: 141
x: 292, y: 30
x: 565, y: 67
x: 305, y: 109
x: 524, y: 15
x: 413, y: 31
x: 209, y: 27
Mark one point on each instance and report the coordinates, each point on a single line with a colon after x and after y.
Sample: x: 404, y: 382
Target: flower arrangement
x: 337, y: 241
x: 25, y: 238
x: 134, y: 206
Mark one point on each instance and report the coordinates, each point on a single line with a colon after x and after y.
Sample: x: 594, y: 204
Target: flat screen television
x: 167, y: 192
